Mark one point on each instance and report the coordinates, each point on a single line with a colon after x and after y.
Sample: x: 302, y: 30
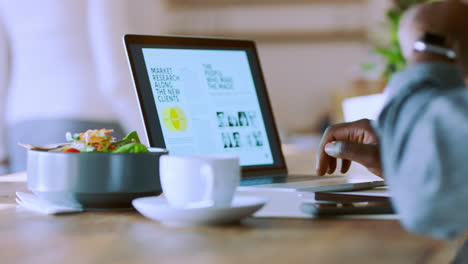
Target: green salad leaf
x: 130, y: 144
x: 132, y: 147
x: 133, y: 136
x: 121, y: 143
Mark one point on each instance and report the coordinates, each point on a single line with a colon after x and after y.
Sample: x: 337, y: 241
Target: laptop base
x: 312, y: 183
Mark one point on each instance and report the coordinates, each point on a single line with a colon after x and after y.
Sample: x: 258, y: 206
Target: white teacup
x: 199, y: 181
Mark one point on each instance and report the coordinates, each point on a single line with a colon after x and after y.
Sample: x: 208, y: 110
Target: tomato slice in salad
x: 72, y: 150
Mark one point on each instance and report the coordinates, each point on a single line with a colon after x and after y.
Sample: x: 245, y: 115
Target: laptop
x: 207, y: 96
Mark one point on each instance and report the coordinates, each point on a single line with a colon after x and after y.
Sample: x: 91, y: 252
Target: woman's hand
x: 355, y: 141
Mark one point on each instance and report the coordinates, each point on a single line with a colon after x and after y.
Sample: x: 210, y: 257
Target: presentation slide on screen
x: 207, y: 103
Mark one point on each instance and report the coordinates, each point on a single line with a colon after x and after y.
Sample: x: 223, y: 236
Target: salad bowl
x: 94, y: 180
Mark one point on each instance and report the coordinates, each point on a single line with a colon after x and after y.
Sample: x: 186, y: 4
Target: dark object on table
x: 94, y: 180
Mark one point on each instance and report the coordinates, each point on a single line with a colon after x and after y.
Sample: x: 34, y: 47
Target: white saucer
x: 157, y: 208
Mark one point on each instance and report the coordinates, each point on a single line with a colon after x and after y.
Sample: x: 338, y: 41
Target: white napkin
x: 32, y: 202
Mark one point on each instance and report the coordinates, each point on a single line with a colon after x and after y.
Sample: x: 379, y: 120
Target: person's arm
x: 4, y: 83
x: 423, y: 133
x: 108, y: 22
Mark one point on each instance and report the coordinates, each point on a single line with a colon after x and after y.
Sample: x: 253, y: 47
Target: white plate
x: 157, y: 208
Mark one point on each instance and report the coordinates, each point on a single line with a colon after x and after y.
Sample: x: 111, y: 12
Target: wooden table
x: 128, y: 237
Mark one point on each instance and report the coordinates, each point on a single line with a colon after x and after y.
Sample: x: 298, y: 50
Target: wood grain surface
x: 128, y: 237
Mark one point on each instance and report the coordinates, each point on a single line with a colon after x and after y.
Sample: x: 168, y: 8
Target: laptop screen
x: 205, y: 100
x: 207, y: 103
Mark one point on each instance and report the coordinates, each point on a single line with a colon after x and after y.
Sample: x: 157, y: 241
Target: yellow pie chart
x: 174, y: 119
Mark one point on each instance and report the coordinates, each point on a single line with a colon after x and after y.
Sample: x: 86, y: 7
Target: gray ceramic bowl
x: 94, y: 180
